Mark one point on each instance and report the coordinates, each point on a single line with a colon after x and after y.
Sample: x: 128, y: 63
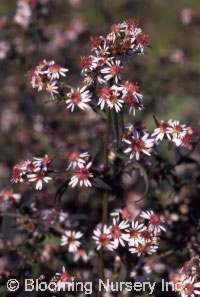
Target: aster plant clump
x: 128, y: 148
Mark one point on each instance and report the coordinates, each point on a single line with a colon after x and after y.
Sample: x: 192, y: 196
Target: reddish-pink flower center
x: 113, y: 99
x: 187, y: 139
x: 74, y: 156
x: 103, y: 239
x: 16, y: 172
x: 127, y: 44
x: 189, y: 289
x: 145, y: 234
x: 30, y: 167
x: 132, y: 23
x: 82, y: 173
x: 65, y: 277
x: 76, y: 97
x: 46, y: 160
x: 95, y: 42
x: 126, y: 214
x: 86, y: 62
x: 71, y: 239
x: 115, y: 69
x: 115, y: 28
x: 130, y: 99
x: 39, y: 175
x: 138, y: 145
x: 155, y: 220
x: 133, y: 233
x: 143, y: 248
x: 142, y: 39
x: 105, y: 93
x: 163, y: 127
x: 54, y: 68
x: 177, y: 129
x: 131, y: 87
x: 115, y: 232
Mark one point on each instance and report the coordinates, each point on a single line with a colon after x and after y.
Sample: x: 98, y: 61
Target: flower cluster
x: 35, y: 170
x: 174, y: 131
x: 45, y: 76
x: 141, y: 236
x: 186, y: 281
x: 82, y: 174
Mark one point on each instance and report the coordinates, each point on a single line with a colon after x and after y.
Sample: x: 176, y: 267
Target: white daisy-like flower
x: 134, y: 234
x: 62, y: 277
x: 154, y: 221
x: 102, y: 238
x: 87, y: 64
x: 143, y: 249
x: 178, y: 129
x: 115, y: 100
x: 82, y: 176
x: 116, y: 232
x: 52, y: 87
x: 71, y: 238
x: 116, y: 30
x: 139, y: 145
x: 79, y: 97
x: 54, y: 71
x: 191, y: 289
x: 104, y: 95
x: 39, y: 177
x: 113, y: 70
x: 164, y: 129
x: 29, y: 166
x: 17, y: 174
x: 102, y: 51
x: 42, y: 162
x: 37, y: 82
x: 77, y: 159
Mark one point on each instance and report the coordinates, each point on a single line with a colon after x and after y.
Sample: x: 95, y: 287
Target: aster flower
x: 82, y: 176
x: 102, y: 238
x: 115, y: 31
x: 178, y: 129
x: 104, y: 95
x: 52, y: 87
x: 39, y: 177
x: 154, y: 221
x: 87, y: 64
x: 77, y: 159
x: 142, y: 41
x: 42, y: 162
x: 29, y: 166
x: 62, y: 279
x: 54, y: 71
x: 116, y: 232
x: 79, y: 97
x: 115, y: 101
x: 134, y: 234
x: 143, y: 249
x: 37, y: 82
x: 139, y: 144
x: 113, y: 70
x: 71, y: 238
x: 164, y: 129
x: 17, y: 174
x: 191, y: 289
